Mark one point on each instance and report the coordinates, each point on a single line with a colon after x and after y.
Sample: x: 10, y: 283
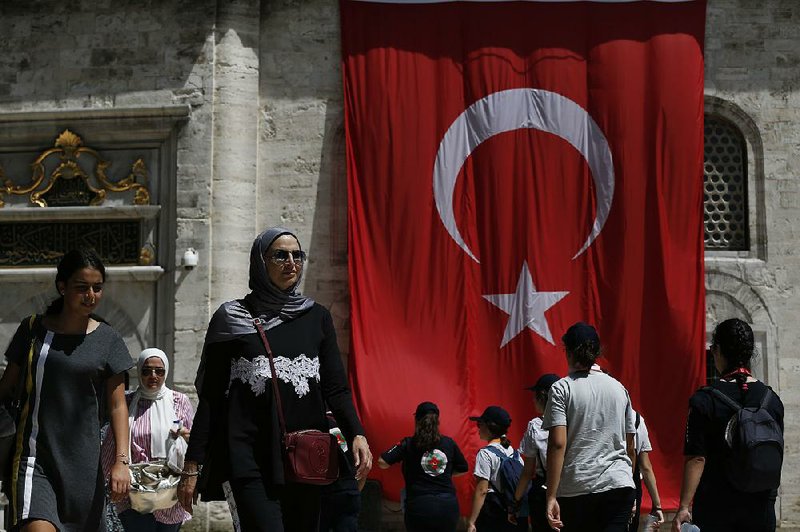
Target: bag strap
x: 28, y: 360
x: 766, y: 398
x: 274, y: 379
x: 724, y: 398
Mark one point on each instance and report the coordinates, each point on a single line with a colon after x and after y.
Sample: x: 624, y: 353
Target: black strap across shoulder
x: 724, y: 398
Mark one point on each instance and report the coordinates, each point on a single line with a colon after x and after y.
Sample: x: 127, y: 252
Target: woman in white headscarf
x: 155, y: 411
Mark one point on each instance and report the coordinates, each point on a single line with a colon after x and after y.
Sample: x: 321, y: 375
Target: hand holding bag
x: 309, y: 456
x: 154, y: 486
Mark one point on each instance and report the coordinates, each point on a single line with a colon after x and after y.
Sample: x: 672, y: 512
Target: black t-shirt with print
x: 428, y: 472
x: 705, y: 436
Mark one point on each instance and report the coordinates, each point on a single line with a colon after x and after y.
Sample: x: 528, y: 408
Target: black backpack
x: 754, y: 444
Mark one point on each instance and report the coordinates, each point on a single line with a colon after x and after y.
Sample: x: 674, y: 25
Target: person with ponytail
x: 70, y: 363
x: 590, y: 445
x: 489, y: 510
x: 718, y: 505
x: 430, y: 460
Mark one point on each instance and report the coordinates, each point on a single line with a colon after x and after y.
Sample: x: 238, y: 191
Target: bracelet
x: 195, y: 473
x: 124, y: 460
x: 655, y: 509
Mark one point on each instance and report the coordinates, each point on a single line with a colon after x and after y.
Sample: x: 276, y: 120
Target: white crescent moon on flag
x: 514, y: 109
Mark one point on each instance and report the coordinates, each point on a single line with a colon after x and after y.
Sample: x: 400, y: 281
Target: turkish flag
x: 515, y: 167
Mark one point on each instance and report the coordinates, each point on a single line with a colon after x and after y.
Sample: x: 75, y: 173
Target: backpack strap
x: 502, y: 456
x: 767, y: 397
x: 495, y: 451
x: 724, y: 398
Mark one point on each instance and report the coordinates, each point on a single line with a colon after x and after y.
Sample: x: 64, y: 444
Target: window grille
x: 725, y: 187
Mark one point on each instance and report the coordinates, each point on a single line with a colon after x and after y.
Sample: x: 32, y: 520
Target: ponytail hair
x: 498, y: 431
x: 736, y: 343
x: 426, y: 432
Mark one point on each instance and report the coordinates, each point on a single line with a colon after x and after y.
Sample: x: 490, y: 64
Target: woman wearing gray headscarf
x: 241, y: 459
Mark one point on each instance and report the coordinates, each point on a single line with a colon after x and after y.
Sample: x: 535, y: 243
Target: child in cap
x: 534, y: 449
x: 489, y: 512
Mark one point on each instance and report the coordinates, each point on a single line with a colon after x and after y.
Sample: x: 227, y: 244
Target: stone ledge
x: 111, y: 212
x: 124, y: 273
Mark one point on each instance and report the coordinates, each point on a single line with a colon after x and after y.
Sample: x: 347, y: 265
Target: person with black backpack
x: 734, y: 443
x: 498, y: 467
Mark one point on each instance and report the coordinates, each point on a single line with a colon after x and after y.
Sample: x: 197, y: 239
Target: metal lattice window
x: 725, y: 186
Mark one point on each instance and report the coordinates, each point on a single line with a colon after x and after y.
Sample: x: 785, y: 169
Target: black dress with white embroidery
x: 236, y: 433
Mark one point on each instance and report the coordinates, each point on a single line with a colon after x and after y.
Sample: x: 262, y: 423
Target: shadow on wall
x: 89, y: 51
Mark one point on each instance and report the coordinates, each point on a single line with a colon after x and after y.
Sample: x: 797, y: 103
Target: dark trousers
x: 634, y: 526
x: 494, y: 518
x: 607, y: 511
x: 133, y: 521
x: 752, y: 515
x: 435, y: 512
x: 537, y: 508
x: 339, y: 511
x: 292, y: 508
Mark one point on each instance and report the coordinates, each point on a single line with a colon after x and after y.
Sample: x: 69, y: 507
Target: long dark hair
x: 426, y: 432
x: 71, y: 262
x: 736, y: 344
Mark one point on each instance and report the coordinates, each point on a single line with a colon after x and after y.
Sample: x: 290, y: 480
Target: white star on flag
x: 526, y: 307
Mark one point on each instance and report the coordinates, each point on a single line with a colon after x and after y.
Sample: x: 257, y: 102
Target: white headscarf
x: 162, y: 410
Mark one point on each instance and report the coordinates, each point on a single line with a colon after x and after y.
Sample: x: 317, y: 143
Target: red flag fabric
x: 515, y: 167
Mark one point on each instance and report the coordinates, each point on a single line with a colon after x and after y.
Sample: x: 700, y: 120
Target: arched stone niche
x: 727, y: 296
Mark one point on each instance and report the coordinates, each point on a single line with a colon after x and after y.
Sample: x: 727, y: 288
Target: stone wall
x: 264, y: 145
x: 752, y: 78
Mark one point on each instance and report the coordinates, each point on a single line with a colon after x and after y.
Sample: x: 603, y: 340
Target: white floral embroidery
x: 295, y: 371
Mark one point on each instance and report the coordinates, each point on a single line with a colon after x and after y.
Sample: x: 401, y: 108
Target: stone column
x: 235, y: 164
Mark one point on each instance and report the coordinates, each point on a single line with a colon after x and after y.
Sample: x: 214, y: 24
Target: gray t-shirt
x: 597, y: 412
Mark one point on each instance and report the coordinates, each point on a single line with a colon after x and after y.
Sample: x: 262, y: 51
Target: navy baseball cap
x: 544, y: 382
x: 424, y: 409
x: 579, y: 334
x: 494, y: 414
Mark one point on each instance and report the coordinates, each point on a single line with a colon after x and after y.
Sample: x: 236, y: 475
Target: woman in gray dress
x: 68, y: 362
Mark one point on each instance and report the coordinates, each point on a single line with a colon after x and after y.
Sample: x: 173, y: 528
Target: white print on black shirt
x: 295, y: 371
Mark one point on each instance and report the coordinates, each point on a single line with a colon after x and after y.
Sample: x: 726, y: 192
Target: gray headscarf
x: 266, y: 301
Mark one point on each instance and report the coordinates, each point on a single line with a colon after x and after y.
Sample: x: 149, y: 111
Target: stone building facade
x: 235, y: 108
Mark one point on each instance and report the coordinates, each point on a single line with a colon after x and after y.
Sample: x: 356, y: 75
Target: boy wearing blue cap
x: 534, y: 449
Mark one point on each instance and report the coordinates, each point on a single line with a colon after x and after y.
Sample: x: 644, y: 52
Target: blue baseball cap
x: 494, y: 414
x: 424, y: 409
x: 544, y: 383
x: 579, y: 334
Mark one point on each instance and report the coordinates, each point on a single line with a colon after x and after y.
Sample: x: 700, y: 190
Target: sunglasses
x: 147, y: 371
x: 281, y: 256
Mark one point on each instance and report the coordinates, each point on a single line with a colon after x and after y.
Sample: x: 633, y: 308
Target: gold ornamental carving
x: 68, y: 184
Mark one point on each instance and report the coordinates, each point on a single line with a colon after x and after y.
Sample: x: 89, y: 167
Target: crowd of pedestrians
x: 579, y: 467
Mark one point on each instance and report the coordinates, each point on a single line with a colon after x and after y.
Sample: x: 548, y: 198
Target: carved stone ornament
x: 68, y: 184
